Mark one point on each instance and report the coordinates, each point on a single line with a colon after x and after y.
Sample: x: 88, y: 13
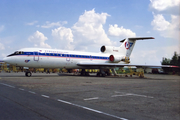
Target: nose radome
x: 9, y: 60
x: 6, y: 59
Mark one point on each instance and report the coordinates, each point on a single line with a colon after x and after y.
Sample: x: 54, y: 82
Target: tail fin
x: 128, y: 45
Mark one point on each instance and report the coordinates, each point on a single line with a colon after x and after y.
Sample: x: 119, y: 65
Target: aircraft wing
x: 112, y: 65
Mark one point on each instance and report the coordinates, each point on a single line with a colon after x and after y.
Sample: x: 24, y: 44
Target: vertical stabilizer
x: 128, y: 45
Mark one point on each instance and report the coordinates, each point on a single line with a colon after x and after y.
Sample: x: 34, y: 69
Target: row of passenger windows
x: 79, y: 56
x: 54, y: 54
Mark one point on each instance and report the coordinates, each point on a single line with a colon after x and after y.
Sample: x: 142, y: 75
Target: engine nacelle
x: 109, y: 49
x: 116, y: 58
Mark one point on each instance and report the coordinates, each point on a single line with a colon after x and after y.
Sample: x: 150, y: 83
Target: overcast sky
x: 86, y: 25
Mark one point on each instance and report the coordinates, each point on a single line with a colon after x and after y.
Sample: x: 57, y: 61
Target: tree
x: 175, y: 61
x: 165, y: 61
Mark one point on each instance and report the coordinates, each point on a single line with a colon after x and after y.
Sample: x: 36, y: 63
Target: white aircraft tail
x: 128, y: 45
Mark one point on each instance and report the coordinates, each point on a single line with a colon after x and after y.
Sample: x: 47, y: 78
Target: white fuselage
x: 52, y: 58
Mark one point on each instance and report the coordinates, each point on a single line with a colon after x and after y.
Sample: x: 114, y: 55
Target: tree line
x: 174, y: 61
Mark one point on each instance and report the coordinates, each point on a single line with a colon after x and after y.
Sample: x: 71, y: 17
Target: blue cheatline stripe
x: 65, y: 55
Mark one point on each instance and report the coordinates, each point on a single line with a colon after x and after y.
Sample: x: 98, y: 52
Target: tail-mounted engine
x: 116, y: 58
x: 114, y: 51
x: 109, y: 49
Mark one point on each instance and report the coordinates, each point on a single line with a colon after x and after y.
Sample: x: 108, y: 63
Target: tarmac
x: 155, y: 97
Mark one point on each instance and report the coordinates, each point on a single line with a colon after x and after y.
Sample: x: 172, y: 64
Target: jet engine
x: 116, y: 59
x: 109, y: 49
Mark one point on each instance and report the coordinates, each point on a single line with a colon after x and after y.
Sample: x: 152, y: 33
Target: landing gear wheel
x: 101, y: 74
x: 98, y: 74
x: 82, y: 73
x: 108, y: 73
x: 28, y: 74
x: 86, y: 73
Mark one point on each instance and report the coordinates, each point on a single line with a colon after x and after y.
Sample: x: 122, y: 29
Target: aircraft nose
x: 7, y: 59
x: 4, y: 59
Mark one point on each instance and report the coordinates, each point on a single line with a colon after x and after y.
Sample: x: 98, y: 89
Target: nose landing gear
x: 28, y: 74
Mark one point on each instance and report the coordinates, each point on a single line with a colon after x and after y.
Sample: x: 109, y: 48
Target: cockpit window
x: 16, y: 53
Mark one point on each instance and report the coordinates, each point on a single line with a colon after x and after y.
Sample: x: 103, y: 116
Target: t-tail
x: 122, y: 53
x: 128, y: 45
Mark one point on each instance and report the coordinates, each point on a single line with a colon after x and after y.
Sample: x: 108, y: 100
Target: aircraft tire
x: 82, y: 73
x: 28, y: 74
x: 98, y: 74
x: 103, y: 75
x: 86, y: 74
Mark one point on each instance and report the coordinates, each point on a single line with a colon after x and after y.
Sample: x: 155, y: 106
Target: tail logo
x: 128, y: 45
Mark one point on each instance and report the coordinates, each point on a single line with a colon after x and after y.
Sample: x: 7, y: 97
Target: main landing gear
x: 84, y: 73
x: 28, y: 74
x: 104, y: 73
x: 101, y: 73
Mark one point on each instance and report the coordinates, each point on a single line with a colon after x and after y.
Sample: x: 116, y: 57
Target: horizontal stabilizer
x: 137, y: 38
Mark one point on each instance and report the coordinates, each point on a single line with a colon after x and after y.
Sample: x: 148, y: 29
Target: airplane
x: 109, y: 58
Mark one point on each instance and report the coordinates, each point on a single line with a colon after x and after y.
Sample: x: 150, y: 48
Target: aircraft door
x: 91, y: 57
x: 68, y: 57
x: 36, y: 56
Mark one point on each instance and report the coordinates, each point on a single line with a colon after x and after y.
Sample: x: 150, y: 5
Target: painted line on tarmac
x: 45, y: 96
x: 21, y: 89
x: 32, y: 92
x: 141, y: 95
x: 90, y: 109
x: 7, y: 85
x: 94, y: 98
x: 120, y: 95
x: 132, y: 94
